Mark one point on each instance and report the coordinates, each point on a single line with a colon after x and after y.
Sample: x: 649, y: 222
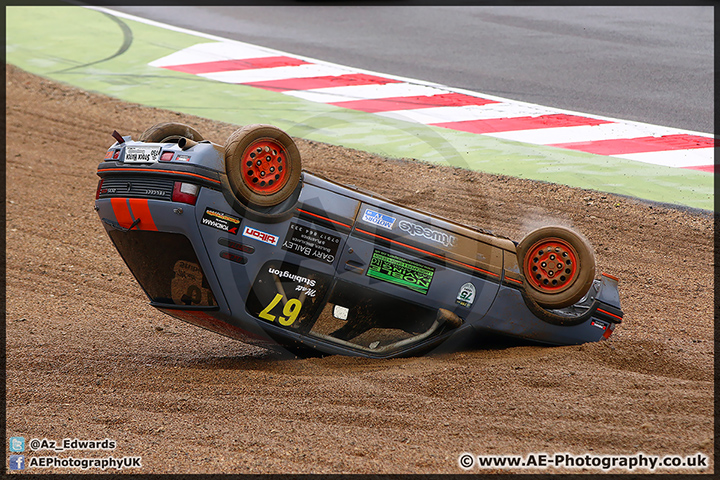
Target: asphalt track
x: 652, y: 65
x: 116, y: 64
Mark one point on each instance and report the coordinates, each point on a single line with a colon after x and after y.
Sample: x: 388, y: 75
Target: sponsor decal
x: 437, y: 236
x: 286, y: 295
x: 400, y: 271
x: 466, y: 295
x: 291, y: 276
x: 311, y: 243
x: 221, y: 221
x: 142, y: 154
x: 261, y: 236
x: 379, y: 219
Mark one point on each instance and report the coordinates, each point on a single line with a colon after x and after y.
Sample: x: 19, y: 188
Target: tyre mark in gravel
x: 79, y: 126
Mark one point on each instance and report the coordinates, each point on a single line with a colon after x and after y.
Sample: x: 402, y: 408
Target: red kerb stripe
x: 641, y: 144
x: 242, y: 64
x: 493, y: 125
x: 412, y: 103
x: 351, y: 79
x: 703, y: 168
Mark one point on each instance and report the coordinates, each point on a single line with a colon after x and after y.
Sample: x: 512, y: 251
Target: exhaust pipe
x: 185, y: 143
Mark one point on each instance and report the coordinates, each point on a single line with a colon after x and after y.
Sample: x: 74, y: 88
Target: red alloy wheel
x: 551, y: 265
x: 558, y: 265
x: 264, y: 166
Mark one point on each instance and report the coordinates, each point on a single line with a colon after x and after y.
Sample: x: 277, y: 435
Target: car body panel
x: 332, y: 269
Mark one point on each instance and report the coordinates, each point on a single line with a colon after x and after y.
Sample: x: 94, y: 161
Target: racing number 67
x: 291, y: 310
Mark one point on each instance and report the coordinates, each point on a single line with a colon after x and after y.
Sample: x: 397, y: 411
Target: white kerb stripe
x: 277, y: 73
x: 211, y: 52
x: 582, y: 133
x: 365, y: 92
x: 465, y: 113
x: 693, y: 157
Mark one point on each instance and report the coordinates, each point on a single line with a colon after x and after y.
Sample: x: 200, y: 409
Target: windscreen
x: 373, y: 321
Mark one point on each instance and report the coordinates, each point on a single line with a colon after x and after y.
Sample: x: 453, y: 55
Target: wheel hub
x: 551, y: 265
x: 264, y: 166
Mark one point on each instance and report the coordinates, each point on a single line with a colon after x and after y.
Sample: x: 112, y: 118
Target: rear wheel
x: 169, y: 133
x: 558, y: 265
x: 262, y: 164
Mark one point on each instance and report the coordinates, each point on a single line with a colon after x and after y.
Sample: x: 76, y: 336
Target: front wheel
x: 262, y: 164
x: 558, y: 266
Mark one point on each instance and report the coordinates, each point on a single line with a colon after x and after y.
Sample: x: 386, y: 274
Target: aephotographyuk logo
x: 17, y: 462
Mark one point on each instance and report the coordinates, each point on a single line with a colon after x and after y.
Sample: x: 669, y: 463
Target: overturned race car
x: 239, y: 240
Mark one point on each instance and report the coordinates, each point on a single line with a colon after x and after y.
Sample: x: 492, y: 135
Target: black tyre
x: 558, y: 266
x: 262, y: 164
x: 169, y: 133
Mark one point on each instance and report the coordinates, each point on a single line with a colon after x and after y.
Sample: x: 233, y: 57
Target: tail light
x: 185, y: 193
x: 166, y: 156
x: 99, y: 189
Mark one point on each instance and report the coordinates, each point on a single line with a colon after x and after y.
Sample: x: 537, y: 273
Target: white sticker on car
x: 341, y: 312
x: 260, y: 236
x: 417, y: 230
x: 142, y: 154
x: 466, y: 295
x: 376, y: 218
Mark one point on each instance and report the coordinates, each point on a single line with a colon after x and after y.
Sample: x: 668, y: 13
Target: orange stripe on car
x: 122, y: 212
x: 158, y: 171
x: 141, y: 210
x: 323, y: 218
x: 608, y: 313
